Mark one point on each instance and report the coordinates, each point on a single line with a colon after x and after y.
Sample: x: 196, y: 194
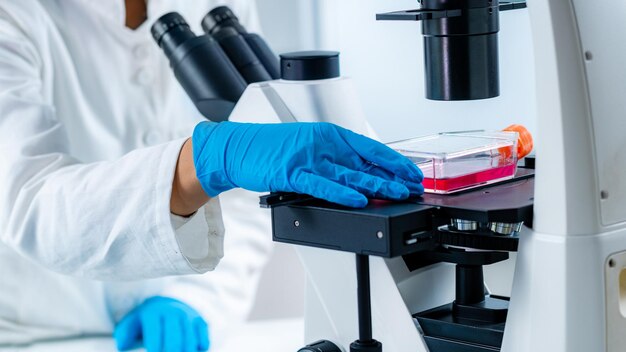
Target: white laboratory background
x: 385, y: 59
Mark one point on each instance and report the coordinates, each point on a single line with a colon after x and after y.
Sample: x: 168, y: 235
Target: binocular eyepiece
x: 215, y: 68
x: 173, y: 29
x: 219, y: 18
x: 222, y: 23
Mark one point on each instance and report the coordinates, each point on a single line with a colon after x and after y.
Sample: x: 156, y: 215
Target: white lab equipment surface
x: 88, y: 112
x: 330, y: 100
x: 569, y: 281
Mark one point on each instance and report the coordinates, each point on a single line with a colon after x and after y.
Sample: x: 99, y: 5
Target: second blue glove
x: 162, y: 324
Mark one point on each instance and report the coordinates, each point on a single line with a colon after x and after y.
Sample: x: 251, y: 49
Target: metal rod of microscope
x: 365, y: 343
x: 363, y: 289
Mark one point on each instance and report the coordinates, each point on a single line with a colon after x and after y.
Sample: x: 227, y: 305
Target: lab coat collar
x: 115, y: 10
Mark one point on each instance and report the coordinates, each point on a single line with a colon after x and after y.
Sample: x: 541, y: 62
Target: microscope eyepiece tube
x: 221, y: 22
x: 241, y: 55
x: 200, y: 66
x: 170, y: 31
x: 220, y: 17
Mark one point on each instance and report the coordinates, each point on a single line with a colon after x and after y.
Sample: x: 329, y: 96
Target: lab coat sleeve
x: 106, y: 220
x: 225, y: 296
x: 202, y: 252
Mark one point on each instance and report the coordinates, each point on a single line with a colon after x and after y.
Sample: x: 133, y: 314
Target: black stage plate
x: 384, y: 228
x: 378, y: 229
x: 510, y: 201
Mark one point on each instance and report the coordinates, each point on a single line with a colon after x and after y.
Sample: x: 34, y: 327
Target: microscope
x: 408, y: 276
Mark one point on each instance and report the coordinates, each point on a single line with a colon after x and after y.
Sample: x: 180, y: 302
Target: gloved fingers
x: 369, y: 185
x: 152, y: 331
x: 173, y: 332
x: 323, y: 188
x: 127, y: 332
x: 190, y: 339
x: 202, y: 334
x: 415, y: 189
x: 383, y: 156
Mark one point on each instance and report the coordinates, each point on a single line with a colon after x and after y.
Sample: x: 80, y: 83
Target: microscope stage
x: 391, y: 229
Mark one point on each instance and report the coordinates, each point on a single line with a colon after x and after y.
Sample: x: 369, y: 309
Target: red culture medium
x: 441, y: 185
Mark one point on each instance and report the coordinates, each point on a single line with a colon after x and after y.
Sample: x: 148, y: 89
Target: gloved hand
x: 319, y: 159
x: 162, y: 324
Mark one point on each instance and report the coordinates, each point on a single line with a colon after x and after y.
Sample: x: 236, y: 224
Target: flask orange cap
x: 524, y: 142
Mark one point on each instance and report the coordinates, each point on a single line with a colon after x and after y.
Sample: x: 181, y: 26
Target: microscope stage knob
x: 321, y: 346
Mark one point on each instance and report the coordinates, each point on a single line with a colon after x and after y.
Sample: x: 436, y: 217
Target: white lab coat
x: 91, y: 124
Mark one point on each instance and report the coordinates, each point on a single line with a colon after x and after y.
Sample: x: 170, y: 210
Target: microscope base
x: 445, y: 330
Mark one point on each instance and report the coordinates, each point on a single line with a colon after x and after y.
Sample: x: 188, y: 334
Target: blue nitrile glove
x: 319, y: 159
x: 162, y: 324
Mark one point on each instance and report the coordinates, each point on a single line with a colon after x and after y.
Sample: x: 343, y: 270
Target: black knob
x: 321, y: 346
x: 309, y: 65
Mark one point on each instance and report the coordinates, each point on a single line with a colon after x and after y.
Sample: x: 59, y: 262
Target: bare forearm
x: 187, y: 194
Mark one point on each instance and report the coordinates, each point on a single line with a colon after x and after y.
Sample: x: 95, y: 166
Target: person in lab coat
x: 101, y: 212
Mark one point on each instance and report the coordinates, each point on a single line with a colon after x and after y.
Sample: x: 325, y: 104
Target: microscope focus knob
x: 321, y: 346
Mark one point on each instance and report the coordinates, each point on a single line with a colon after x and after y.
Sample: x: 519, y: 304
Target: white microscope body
x: 569, y: 286
x: 569, y: 291
x: 330, y: 302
